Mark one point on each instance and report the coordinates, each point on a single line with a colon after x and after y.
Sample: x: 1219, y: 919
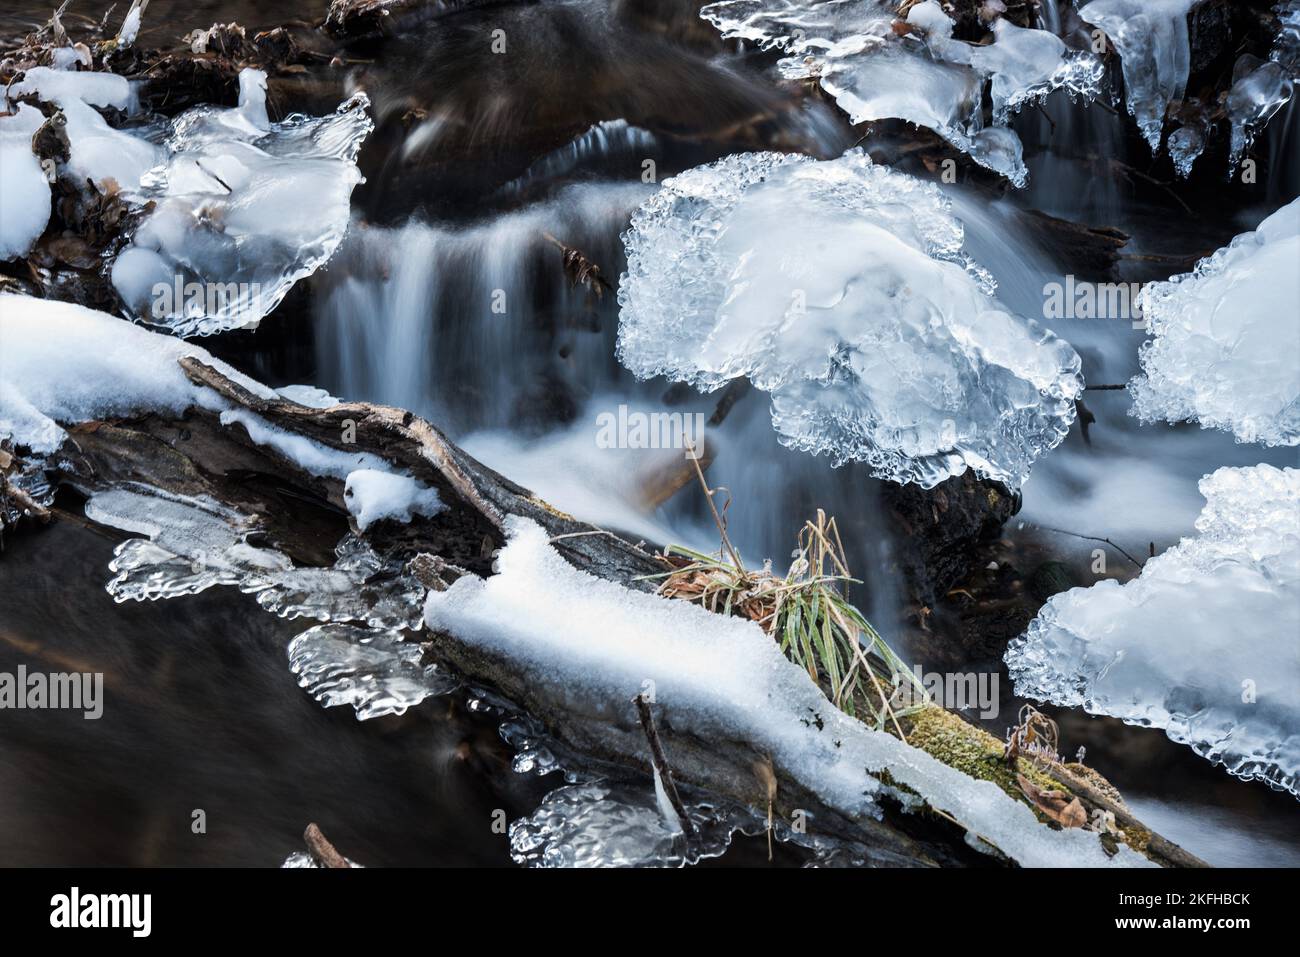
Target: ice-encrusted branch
x: 663, y: 772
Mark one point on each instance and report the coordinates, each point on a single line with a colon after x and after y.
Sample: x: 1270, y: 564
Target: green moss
x: 946, y: 736
x: 973, y: 751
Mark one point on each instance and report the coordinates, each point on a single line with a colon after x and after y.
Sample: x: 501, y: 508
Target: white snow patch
x: 596, y: 643
x: 65, y: 363
x: 372, y: 495
x: 25, y: 198
x: 130, y: 27
x: 98, y: 151
x: 309, y: 395
x: 63, y: 86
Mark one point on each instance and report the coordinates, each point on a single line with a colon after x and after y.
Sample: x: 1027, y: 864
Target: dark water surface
x: 201, y: 712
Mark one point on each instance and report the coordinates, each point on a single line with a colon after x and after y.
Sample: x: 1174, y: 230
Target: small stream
x: 447, y: 299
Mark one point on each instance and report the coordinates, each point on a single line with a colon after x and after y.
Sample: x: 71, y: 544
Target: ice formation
x: 841, y: 288
x: 1286, y: 48
x: 98, y: 152
x: 130, y: 28
x: 245, y: 208
x: 301, y: 860
x: 25, y: 199
x: 597, y: 643
x: 1155, y: 54
x: 1025, y: 65
x: 377, y: 673
x: 1225, y: 349
x: 192, y: 544
x: 602, y: 824
x: 924, y: 77
x: 1258, y: 91
x: 1204, y: 643
x: 1186, y: 144
x: 602, y: 142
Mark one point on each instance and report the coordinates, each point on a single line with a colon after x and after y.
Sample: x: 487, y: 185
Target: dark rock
x: 939, y: 529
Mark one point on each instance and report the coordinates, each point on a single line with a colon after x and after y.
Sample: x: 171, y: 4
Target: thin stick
x: 661, y: 762
x: 321, y: 850
x: 1092, y: 538
x: 717, y: 519
x: 24, y: 501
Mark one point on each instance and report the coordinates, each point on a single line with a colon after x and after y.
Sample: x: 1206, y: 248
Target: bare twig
x: 24, y: 501
x: 208, y: 172
x: 717, y: 517
x: 427, y: 443
x: 736, y: 390
x: 661, y: 762
x: 1092, y: 538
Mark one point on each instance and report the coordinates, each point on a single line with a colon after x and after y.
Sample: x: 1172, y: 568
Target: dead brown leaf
x: 1061, y: 807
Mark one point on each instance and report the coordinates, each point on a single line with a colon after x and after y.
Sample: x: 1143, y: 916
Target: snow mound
x: 1202, y: 644
x: 596, y: 644
x: 66, y: 363
x: 244, y: 209
x: 372, y: 495
x: 63, y: 363
x: 841, y: 289
x: 62, y: 86
x: 924, y: 76
x: 1225, y: 349
x: 25, y: 199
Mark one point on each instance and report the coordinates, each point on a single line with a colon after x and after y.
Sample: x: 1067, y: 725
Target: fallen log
x: 304, y: 515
